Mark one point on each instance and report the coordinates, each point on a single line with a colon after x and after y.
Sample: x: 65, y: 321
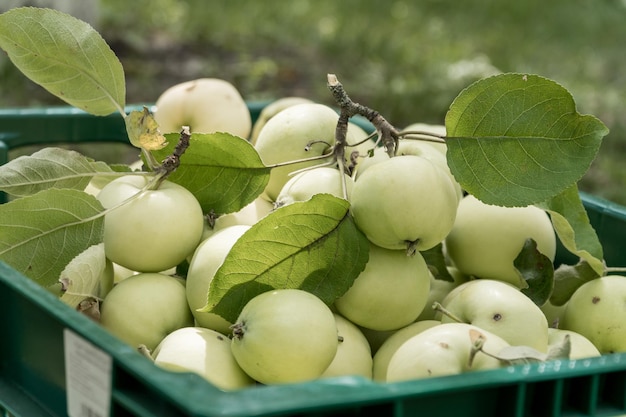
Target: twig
x: 172, y: 162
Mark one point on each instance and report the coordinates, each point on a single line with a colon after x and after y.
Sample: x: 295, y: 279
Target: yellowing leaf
x: 143, y: 130
x: 86, y: 276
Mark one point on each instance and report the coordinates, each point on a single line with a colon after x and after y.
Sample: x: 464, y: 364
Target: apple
x: 443, y: 350
x: 354, y: 355
x: 597, y: 310
x: 413, y: 147
x: 439, y: 289
x: 389, y: 293
x: 206, y: 105
x: 499, y: 308
x: 297, y: 132
x: 271, y: 110
x: 153, y: 232
x: 317, y: 180
x: 285, y: 335
x: 580, y: 346
x: 486, y: 239
x: 382, y: 357
x: 405, y: 202
x: 205, y: 262
x: 204, y: 352
x: 144, y: 308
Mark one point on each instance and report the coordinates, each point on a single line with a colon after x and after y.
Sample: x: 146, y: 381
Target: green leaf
x: 48, y: 168
x: 516, y: 140
x: 567, y: 279
x: 537, y: 272
x: 66, y: 56
x: 224, y: 172
x: 42, y: 233
x: 572, y: 225
x: 312, y: 245
x: 84, y: 276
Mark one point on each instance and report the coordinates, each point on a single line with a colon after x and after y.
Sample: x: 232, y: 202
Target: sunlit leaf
x: 66, y: 56
x: 516, y: 139
x: 85, y: 276
x: 49, y: 168
x: 42, y: 233
x: 143, y: 130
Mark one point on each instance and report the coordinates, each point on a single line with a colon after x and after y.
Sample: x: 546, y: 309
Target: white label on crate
x: 88, y: 374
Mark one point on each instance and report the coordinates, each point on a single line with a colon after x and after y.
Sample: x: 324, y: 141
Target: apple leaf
x: 66, y: 56
x: 143, y: 130
x: 224, y: 172
x: 42, y: 233
x: 567, y: 279
x: 516, y: 140
x: 82, y: 277
x: 436, y: 262
x: 573, y: 227
x: 312, y: 245
x: 49, y: 168
x: 537, y: 272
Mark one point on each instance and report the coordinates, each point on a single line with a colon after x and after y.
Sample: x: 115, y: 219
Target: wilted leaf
x: 49, y: 168
x: 516, y: 140
x: 66, y: 56
x: 223, y: 171
x: 83, y: 276
x: 572, y: 225
x: 567, y: 279
x: 143, y: 130
x: 536, y: 272
x: 312, y: 245
x: 42, y: 233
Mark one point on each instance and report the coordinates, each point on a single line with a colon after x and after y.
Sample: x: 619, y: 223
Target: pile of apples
x: 397, y: 322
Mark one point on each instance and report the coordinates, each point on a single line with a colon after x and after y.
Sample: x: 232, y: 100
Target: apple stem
x: 425, y: 136
x: 411, y: 247
x: 387, y: 133
x: 441, y: 309
x: 145, y: 352
x: 613, y: 269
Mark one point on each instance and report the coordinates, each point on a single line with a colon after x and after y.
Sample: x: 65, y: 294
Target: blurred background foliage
x: 406, y: 59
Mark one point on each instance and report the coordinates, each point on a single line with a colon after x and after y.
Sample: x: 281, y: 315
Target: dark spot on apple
x: 497, y: 317
x: 444, y: 345
x: 595, y: 300
x: 220, y: 338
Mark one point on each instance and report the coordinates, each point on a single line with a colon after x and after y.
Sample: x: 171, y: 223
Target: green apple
x: 318, y: 180
x: 382, y: 357
x: 284, y: 336
x: 297, y: 132
x: 205, y: 262
x: 389, y: 293
x: 499, y: 308
x: 439, y: 289
x: 153, y: 232
x: 405, y: 202
x: 486, y: 239
x: 144, y: 308
x: 441, y: 350
x: 204, y: 352
x: 580, y: 346
x: 597, y: 310
x: 421, y: 148
x: 354, y: 356
x: 271, y: 110
x: 206, y: 105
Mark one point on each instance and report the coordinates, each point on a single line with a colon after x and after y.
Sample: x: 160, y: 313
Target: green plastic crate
x: 35, y: 327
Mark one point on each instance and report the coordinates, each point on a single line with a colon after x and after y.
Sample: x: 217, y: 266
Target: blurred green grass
x: 406, y: 59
